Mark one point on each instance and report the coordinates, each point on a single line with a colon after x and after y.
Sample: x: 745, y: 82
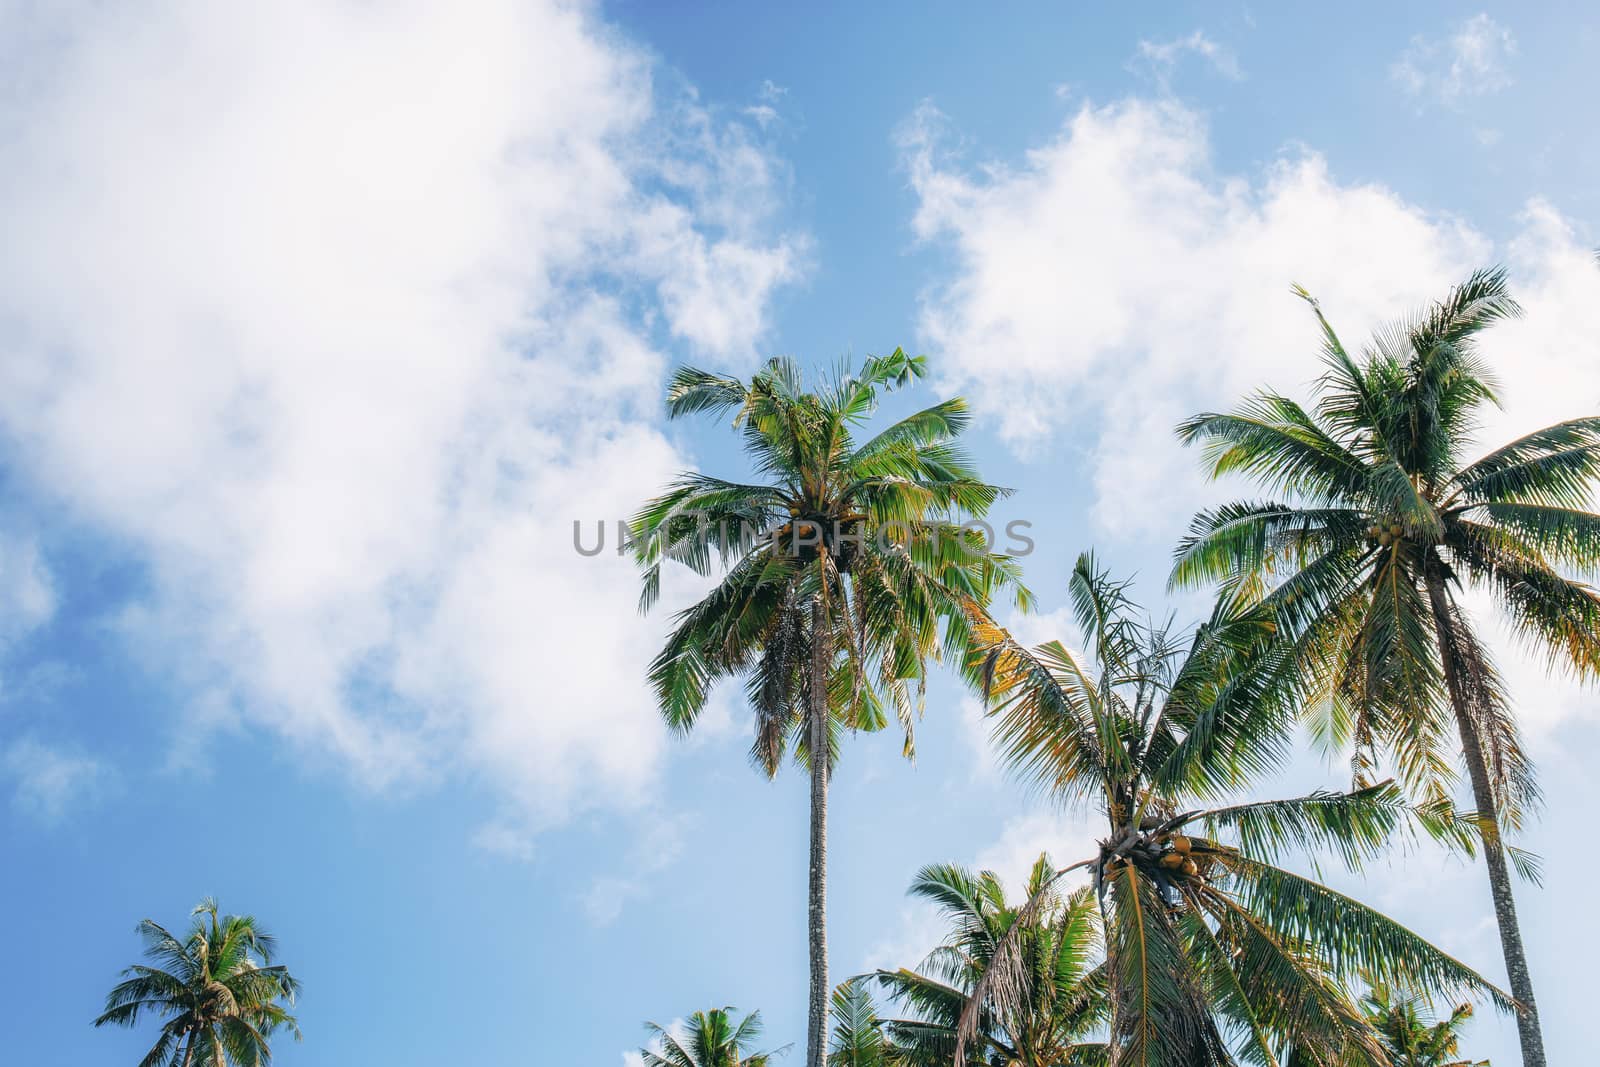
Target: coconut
x: 1181, y: 843
x: 1190, y: 867
x: 1396, y: 529
x: 1385, y: 540
x: 1172, y: 860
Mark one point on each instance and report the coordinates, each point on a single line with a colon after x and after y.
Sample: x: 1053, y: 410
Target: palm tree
x: 1382, y: 527
x: 1062, y: 998
x: 708, y: 1039
x: 1409, y: 1033
x: 218, y: 989
x: 1213, y: 951
x: 846, y: 571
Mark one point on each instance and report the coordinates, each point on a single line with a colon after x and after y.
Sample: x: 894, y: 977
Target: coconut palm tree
x: 218, y: 989
x: 1214, y: 952
x: 1410, y: 1034
x: 1062, y: 997
x: 1381, y: 527
x: 846, y: 570
x: 708, y: 1039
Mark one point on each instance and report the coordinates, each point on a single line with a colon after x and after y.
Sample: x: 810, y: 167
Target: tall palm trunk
x: 1505, y: 906
x: 817, y: 926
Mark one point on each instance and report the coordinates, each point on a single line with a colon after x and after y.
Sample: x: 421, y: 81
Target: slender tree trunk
x: 188, y: 1049
x: 817, y: 925
x: 1505, y: 906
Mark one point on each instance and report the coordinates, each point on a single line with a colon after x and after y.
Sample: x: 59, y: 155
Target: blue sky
x: 321, y: 323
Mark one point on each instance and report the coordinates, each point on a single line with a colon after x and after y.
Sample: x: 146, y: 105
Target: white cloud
x: 27, y: 591
x: 1112, y: 283
x: 27, y: 601
x: 765, y: 113
x: 1066, y: 836
x: 337, y: 316
x: 46, y: 781
x: 1471, y: 61
x: 1161, y: 58
x: 658, y: 844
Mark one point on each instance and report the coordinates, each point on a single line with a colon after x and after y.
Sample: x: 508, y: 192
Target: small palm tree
x: 1382, y: 527
x: 1409, y: 1033
x: 847, y: 570
x: 708, y: 1039
x: 1214, y: 952
x: 218, y: 989
x: 1062, y: 998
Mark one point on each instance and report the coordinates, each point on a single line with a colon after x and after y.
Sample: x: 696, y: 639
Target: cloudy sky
x: 320, y: 323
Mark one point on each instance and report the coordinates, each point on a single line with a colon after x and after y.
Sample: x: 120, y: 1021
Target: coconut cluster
x: 807, y: 532
x: 1173, y: 855
x: 1385, y: 534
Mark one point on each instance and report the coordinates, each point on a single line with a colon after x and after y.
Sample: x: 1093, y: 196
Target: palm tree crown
x: 871, y: 532
x: 218, y: 989
x: 1062, y: 998
x: 1214, y: 952
x: 847, y: 569
x: 708, y: 1039
x: 1410, y: 1034
x: 1382, y: 525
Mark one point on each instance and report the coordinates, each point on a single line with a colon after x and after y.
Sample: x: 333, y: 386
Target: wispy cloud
x: 765, y: 112
x: 27, y: 590
x: 1160, y: 59
x: 659, y: 843
x: 47, y: 782
x: 1472, y: 60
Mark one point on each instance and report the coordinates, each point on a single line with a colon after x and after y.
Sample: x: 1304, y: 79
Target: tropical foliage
x: 1381, y: 524
x: 1410, y: 1034
x: 846, y: 571
x: 848, y: 568
x: 1060, y: 1000
x: 707, y: 1039
x: 217, y: 988
x: 1214, y: 952
x: 859, y: 1039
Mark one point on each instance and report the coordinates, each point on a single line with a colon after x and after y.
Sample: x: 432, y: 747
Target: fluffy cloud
x: 1471, y: 61
x: 337, y: 316
x: 1113, y: 282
